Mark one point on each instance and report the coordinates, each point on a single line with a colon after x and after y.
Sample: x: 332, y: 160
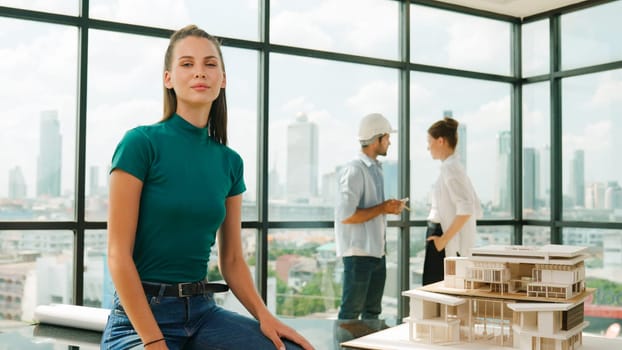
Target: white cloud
x: 595, y: 141
x: 123, y: 115
x: 535, y: 123
x: 596, y: 137
x: 146, y: 12
x: 295, y: 105
x: 608, y: 91
x: 535, y: 118
x: 357, y: 27
x: 375, y: 96
x: 535, y: 47
x: 476, y: 44
x: 291, y: 28
x: 494, y: 115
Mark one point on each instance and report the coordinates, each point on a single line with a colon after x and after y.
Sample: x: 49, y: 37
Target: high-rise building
x: 613, y: 196
x: 389, y: 173
x: 461, y: 147
x: 530, y: 177
x: 329, y: 185
x: 93, y: 180
x: 275, y: 187
x: 49, y: 161
x: 595, y: 195
x: 577, y: 178
x: 17, y: 184
x: 503, y: 198
x: 544, y: 175
x: 302, y: 160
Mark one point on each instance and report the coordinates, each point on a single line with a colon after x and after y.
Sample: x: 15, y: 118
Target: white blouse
x: 454, y: 195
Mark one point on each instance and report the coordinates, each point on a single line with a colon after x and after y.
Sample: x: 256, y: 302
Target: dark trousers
x: 433, y: 265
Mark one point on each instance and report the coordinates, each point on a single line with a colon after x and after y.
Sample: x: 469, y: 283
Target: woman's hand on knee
x: 275, y: 330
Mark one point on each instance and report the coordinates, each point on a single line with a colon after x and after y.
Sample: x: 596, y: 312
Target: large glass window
x: 417, y: 255
x: 536, y: 235
x: 309, y: 275
x: 242, y: 84
x: 603, y: 269
x: 249, y: 251
x: 122, y: 94
x: 483, y: 110
x: 536, y: 151
x: 37, y: 165
x: 66, y: 7
x: 495, y: 235
x: 314, y: 105
x: 591, y: 125
x: 535, y: 48
x: 591, y: 36
x: 98, y: 288
x: 307, y: 272
x: 456, y: 40
x: 36, y: 268
x: 232, y: 18
x: 360, y: 27
x: 314, y: 122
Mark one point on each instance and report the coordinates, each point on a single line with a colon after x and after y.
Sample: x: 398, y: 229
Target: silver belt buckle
x: 180, y: 290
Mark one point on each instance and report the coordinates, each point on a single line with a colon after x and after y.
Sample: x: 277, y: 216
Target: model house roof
x: 546, y: 254
x: 522, y: 307
x: 435, y: 297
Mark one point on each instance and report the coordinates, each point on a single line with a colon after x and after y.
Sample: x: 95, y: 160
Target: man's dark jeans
x: 363, y: 286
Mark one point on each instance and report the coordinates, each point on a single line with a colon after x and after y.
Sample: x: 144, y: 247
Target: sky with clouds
x: 124, y: 89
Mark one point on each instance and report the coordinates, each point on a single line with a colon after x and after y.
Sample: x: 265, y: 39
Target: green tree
x: 607, y: 292
x: 213, y: 274
x: 314, y: 297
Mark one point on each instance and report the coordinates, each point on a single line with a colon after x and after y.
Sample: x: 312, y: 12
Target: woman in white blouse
x: 455, y: 205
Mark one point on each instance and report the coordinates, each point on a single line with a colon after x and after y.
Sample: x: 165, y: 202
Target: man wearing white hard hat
x: 360, y: 225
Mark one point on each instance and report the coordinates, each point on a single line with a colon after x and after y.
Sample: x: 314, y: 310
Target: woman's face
x: 196, y: 72
x: 435, y: 147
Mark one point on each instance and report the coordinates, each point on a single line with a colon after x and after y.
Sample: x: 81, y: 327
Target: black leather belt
x: 183, y: 290
x: 433, y: 225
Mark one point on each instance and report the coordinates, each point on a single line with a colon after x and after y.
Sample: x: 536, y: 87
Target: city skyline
x: 303, y: 183
x: 322, y: 59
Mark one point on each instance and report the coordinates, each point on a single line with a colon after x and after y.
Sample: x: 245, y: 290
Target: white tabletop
x: 396, y: 338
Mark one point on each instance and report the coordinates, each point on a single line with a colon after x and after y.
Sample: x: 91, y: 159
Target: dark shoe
x: 344, y: 330
x: 376, y: 324
x: 357, y: 328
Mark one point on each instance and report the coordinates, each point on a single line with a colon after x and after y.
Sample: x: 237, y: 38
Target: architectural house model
x: 522, y: 297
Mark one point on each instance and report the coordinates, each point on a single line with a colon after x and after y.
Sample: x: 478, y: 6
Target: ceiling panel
x: 514, y: 8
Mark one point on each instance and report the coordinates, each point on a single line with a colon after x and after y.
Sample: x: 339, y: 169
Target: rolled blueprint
x: 82, y: 317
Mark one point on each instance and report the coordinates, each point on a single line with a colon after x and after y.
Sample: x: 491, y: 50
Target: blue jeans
x: 363, y: 286
x: 192, y: 323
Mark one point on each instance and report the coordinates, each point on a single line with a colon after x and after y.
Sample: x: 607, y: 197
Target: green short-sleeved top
x: 187, y: 177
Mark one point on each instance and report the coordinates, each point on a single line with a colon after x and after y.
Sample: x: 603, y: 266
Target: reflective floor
x: 26, y: 337
x: 22, y: 336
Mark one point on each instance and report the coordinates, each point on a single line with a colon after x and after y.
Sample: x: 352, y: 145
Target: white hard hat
x: 372, y: 125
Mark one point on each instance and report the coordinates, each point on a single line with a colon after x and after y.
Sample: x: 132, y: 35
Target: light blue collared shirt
x: 361, y: 185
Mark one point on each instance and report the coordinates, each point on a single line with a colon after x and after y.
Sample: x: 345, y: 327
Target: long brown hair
x: 217, y: 122
x: 446, y: 128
